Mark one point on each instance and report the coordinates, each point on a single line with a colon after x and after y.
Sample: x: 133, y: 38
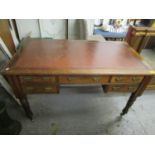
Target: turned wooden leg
x: 129, y: 104
x: 104, y: 88
x: 26, y: 107
x: 137, y: 93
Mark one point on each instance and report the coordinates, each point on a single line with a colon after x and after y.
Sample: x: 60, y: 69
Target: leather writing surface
x: 76, y: 54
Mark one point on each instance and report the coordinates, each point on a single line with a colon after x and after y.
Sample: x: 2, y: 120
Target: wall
x: 73, y: 29
x: 55, y: 28
x: 28, y: 27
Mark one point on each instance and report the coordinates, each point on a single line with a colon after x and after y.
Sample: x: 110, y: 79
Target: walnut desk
x: 42, y: 65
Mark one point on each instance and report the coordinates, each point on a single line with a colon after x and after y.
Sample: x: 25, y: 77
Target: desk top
x: 44, y: 56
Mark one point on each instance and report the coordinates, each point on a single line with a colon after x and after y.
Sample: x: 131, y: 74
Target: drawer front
x: 152, y: 82
x: 126, y: 79
x: 45, y: 89
x: 120, y: 88
x: 83, y: 79
x: 151, y: 87
x: 37, y: 79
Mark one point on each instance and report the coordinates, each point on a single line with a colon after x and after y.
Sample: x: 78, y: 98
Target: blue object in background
x: 107, y: 34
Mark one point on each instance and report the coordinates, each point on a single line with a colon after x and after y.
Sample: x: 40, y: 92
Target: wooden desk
x: 43, y: 65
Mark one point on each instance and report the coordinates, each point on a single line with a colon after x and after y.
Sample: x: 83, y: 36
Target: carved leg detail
x: 129, y: 104
x: 26, y: 108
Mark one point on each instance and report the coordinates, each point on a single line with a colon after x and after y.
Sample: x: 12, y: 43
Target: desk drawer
x: 152, y: 82
x: 45, y: 89
x: 150, y: 87
x: 37, y: 79
x: 120, y: 88
x: 83, y: 79
x: 126, y: 79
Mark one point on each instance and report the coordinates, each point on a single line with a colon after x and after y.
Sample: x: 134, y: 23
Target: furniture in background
x: 143, y: 22
x: 5, y: 34
x: 114, y: 65
x: 140, y: 38
x: 112, y: 29
x: 135, y: 36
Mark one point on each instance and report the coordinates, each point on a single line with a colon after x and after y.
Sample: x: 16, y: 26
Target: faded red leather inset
x: 76, y: 54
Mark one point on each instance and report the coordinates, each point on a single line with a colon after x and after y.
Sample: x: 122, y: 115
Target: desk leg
x: 130, y: 102
x: 137, y: 93
x: 26, y: 107
x: 19, y: 93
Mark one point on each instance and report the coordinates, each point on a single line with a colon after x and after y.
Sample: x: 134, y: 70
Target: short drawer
x: 83, y: 79
x: 120, y: 88
x: 150, y: 87
x: 126, y: 79
x: 38, y: 79
x: 152, y: 82
x: 46, y: 89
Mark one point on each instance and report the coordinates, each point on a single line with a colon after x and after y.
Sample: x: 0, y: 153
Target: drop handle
x: 28, y: 78
x: 48, y: 88
x: 135, y: 78
x: 71, y: 78
x: 96, y: 79
x: 131, y: 88
x: 119, y: 78
x: 29, y: 88
x: 116, y: 88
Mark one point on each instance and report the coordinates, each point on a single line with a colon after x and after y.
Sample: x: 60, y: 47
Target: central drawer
x: 126, y: 79
x: 83, y: 79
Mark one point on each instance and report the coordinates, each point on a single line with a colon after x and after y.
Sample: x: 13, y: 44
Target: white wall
x: 28, y: 27
x: 55, y: 28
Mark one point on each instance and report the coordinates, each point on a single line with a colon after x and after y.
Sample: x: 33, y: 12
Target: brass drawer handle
x: 49, y: 79
x: 27, y: 78
x: 29, y: 88
x: 116, y: 88
x: 71, y: 78
x: 53, y: 79
x: 48, y: 88
x: 96, y: 79
x: 135, y: 79
x: 118, y: 79
x: 46, y: 78
x: 131, y: 88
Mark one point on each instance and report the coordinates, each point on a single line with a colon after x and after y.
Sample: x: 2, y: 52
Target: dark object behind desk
x: 8, y: 126
x: 151, y: 43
